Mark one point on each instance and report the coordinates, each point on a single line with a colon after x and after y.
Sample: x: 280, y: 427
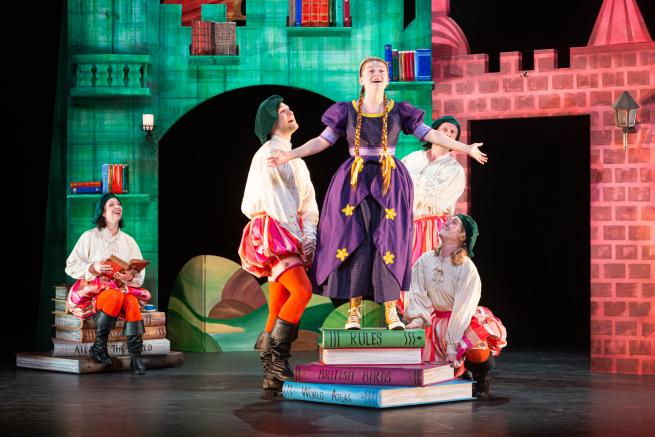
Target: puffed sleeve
x: 78, y: 262
x: 411, y: 120
x: 417, y: 301
x: 336, y: 121
x: 467, y: 297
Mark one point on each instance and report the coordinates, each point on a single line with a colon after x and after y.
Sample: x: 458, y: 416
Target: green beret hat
x: 266, y: 117
x: 471, y: 229
x: 445, y: 119
x: 100, y: 206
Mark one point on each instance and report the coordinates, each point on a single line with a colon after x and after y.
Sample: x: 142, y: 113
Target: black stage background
x: 31, y: 37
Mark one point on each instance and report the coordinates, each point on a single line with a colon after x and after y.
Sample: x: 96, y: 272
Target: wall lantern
x: 625, y: 109
x: 148, y: 125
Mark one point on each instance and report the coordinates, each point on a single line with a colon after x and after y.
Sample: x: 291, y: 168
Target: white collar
x: 281, y: 142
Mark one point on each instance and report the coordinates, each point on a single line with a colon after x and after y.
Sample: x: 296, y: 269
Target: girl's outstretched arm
x: 311, y: 147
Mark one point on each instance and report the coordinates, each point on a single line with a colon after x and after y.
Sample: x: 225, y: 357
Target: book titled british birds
x: 418, y: 375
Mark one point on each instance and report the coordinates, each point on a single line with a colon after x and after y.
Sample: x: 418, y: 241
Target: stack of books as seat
x: 74, y: 337
x: 375, y: 368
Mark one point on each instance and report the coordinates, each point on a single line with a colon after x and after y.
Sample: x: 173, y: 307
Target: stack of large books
x: 73, y: 338
x: 375, y: 368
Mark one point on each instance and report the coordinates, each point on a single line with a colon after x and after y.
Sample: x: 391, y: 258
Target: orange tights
x: 288, y: 297
x: 114, y: 302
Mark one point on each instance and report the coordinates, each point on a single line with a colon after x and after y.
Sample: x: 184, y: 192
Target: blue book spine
x: 298, y: 13
x: 85, y: 190
x: 105, y: 178
x: 388, y: 58
x: 360, y: 396
x: 338, y: 9
x: 423, y: 64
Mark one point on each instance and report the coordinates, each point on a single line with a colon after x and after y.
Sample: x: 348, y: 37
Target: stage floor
x: 217, y: 394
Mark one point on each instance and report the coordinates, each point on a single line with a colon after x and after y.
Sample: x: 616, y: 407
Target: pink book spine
x: 359, y: 375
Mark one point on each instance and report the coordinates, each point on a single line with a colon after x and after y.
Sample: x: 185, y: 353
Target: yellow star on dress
x: 388, y: 257
x: 390, y: 213
x: 342, y: 253
x: 348, y: 210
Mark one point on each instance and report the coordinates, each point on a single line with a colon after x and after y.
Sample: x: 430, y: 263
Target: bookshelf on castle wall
x: 107, y: 128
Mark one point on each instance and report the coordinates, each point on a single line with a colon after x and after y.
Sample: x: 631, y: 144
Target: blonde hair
x: 386, y: 160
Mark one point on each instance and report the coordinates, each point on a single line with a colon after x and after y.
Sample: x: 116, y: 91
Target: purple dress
x: 364, y: 237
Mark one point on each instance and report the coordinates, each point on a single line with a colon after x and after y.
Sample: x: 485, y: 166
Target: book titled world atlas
x: 378, y: 396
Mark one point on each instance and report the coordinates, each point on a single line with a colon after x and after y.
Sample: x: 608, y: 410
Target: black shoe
x: 480, y: 372
x: 282, y: 335
x: 134, y: 333
x: 104, y: 325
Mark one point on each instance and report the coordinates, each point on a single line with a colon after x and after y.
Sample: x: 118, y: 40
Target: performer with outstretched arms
x: 363, y: 249
x: 280, y: 239
x: 444, y: 294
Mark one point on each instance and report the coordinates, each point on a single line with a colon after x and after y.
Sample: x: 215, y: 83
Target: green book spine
x: 372, y: 338
x: 338, y: 12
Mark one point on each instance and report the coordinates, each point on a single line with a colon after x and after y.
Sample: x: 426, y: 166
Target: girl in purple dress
x: 364, y: 237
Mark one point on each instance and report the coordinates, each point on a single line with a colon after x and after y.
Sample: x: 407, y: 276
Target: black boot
x: 480, y: 372
x: 104, y: 325
x: 263, y: 345
x: 134, y: 333
x: 283, y: 334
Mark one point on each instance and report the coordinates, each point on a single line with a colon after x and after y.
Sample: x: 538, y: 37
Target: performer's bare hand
x: 277, y: 158
x: 416, y: 323
x: 124, y: 277
x: 476, y: 154
x: 101, y: 268
x: 308, y: 248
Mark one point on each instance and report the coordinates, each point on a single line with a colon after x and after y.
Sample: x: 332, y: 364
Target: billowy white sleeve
x: 442, y: 191
x: 276, y: 198
x: 467, y: 296
x: 79, y: 260
x: 308, y: 205
x: 135, y: 253
x: 417, y: 302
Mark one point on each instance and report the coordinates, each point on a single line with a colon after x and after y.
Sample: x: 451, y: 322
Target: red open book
x: 118, y: 265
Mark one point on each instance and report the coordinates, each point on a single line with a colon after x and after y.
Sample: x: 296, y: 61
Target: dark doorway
x: 203, y: 166
x: 532, y: 205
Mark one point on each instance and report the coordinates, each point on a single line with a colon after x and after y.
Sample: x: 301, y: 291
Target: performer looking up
x: 438, y: 180
x: 363, y: 249
x: 280, y: 238
x: 444, y: 294
x: 105, y: 297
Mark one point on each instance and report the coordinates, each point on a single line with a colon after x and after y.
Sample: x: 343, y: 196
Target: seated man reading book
x: 108, y: 287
